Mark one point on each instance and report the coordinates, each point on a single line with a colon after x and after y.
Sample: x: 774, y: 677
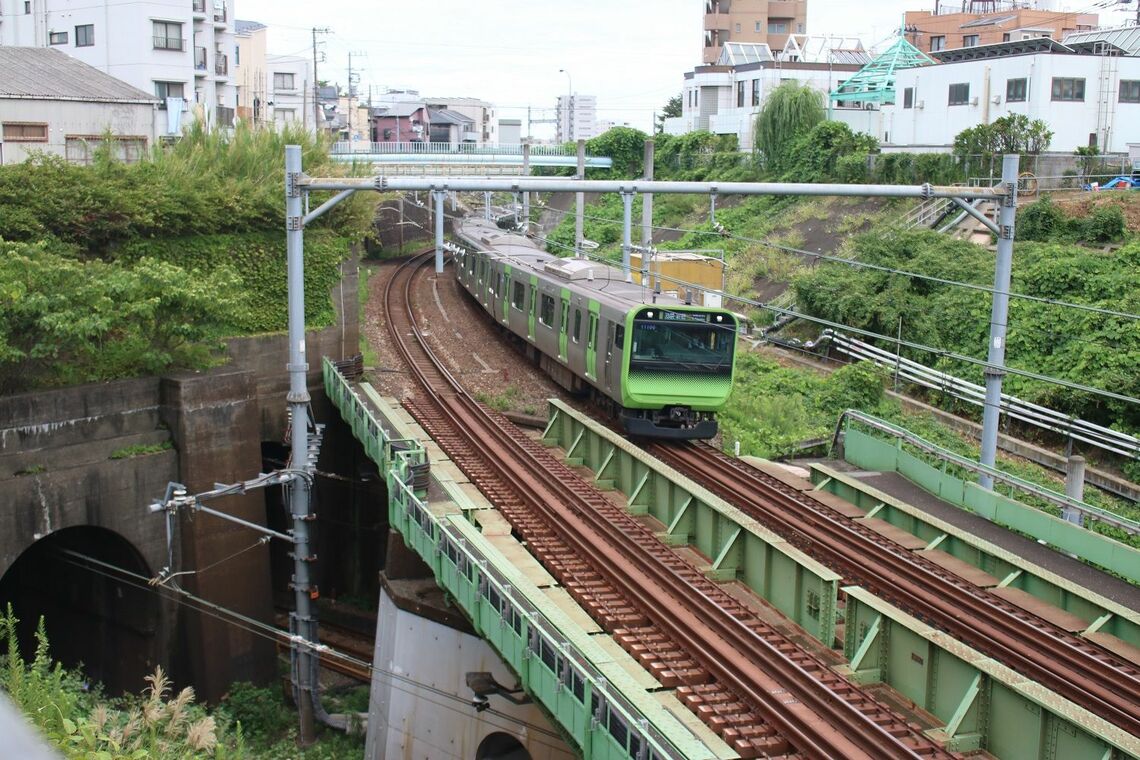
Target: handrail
x: 1059, y: 500
x: 1039, y: 416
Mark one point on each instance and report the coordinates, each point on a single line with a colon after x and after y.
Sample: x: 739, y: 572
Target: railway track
x: 755, y: 687
x: 1075, y: 668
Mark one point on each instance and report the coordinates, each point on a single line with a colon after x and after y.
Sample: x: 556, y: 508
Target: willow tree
x: 790, y: 111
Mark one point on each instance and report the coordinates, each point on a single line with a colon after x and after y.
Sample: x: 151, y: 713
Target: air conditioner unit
x: 920, y: 105
x: 974, y: 100
x: 996, y: 99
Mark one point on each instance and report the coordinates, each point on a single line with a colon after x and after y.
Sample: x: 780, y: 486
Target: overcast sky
x: 631, y: 54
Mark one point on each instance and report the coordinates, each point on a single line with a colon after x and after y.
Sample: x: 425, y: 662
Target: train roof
x: 604, y: 282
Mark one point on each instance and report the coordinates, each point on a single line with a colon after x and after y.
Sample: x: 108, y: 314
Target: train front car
x: 678, y: 370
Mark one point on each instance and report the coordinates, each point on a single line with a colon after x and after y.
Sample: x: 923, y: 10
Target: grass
x: 500, y: 402
x: 371, y: 358
x: 141, y: 450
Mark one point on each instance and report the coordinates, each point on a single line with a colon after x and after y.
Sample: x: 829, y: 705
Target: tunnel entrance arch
x: 501, y: 746
x: 93, y: 615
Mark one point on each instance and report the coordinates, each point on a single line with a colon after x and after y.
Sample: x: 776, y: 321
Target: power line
x: 877, y: 267
x: 274, y: 634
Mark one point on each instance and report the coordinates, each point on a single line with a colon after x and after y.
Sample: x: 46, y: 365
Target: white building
x: 510, y: 131
x: 290, y: 90
x: 481, y: 113
x: 1087, y: 91
x: 577, y: 118
x: 52, y: 103
x: 724, y: 98
x: 172, y: 48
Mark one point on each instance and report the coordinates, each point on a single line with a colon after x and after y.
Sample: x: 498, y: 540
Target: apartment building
x: 767, y: 22
x: 725, y: 97
x: 970, y: 23
x: 1086, y: 89
x: 289, y: 89
x: 485, y: 130
x: 250, y: 73
x: 577, y: 118
x: 180, y: 50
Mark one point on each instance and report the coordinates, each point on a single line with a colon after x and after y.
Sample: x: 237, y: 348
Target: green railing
x: 876, y: 444
x: 567, y: 682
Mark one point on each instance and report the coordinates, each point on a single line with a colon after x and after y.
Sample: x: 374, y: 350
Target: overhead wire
x: 877, y: 267
x: 272, y: 633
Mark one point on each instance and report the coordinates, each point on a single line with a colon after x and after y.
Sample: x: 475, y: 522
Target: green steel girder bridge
x: 977, y: 702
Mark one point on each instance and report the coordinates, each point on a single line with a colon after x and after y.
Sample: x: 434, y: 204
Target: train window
x: 518, y: 296
x: 690, y: 342
x: 500, y: 288
x: 562, y: 326
x: 577, y: 325
x: 533, y: 300
x: 593, y: 336
x: 619, y: 338
x: 470, y: 262
x: 546, y: 314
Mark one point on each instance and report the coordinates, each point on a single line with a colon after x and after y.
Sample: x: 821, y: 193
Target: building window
x: 85, y: 35
x: 969, y: 40
x: 738, y: 28
x: 27, y: 7
x: 57, y: 38
x: 959, y: 94
x: 285, y: 115
x: 237, y: 55
x: 167, y: 35
x: 283, y: 81
x: 755, y: 92
x: 80, y: 149
x: 1015, y: 90
x: 908, y: 97
x: 799, y: 28
x: 164, y: 90
x: 777, y: 27
x: 938, y: 42
x: 759, y: 27
x: 1005, y: 37
x: 740, y: 94
x: 1068, y: 88
x: 1130, y: 91
x: 20, y: 131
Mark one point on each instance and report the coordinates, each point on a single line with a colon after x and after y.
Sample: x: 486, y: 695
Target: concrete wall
x: 426, y: 710
x: 56, y: 472
x: 66, y: 118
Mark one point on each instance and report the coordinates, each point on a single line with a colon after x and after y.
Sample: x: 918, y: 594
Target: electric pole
x: 316, y: 80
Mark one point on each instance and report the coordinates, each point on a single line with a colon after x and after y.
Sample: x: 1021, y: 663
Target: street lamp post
x: 569, y: 104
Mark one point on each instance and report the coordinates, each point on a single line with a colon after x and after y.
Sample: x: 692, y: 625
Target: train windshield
x: 683, y: 341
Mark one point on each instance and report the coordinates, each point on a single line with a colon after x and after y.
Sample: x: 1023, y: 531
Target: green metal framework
x: 875, y: 82
x: 578, y: 683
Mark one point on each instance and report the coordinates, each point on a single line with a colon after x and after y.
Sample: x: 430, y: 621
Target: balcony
x: 199, y: 61
x: 225, y: 116
x: 716, y: 22
x: 220, y: 15
x: 169, y: 43
x: 785, y: 8
x: 221, y: 65
x: 199, y: 7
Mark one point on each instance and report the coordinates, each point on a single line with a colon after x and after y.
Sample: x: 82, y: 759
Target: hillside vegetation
x: 115, y: 270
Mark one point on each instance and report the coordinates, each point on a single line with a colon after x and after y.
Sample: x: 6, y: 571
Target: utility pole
x: 316, y: 80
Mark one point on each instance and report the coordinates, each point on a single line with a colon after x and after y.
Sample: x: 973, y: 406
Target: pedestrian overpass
x: 463, y: 158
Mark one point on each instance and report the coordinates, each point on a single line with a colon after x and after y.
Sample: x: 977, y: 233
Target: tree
x: 672, y: 109
x: 790, y: 111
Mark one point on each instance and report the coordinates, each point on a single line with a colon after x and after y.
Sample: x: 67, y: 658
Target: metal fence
x: 1042, y: 417
x: 432, y: 148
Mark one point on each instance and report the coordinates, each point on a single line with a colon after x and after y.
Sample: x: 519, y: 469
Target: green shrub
x: 1040, y: 221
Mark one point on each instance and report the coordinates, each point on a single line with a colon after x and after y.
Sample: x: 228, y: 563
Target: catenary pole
x: 580, y: 201
x: 647, y: 201
x: 999, y: 317
x: 626, y: 233
x: 439, y: 196
x: 303, y: 624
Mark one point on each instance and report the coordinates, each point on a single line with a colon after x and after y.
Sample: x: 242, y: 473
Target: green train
x: 662, y: 365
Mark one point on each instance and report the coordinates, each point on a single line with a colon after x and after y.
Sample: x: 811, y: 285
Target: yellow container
x: 669, y: 268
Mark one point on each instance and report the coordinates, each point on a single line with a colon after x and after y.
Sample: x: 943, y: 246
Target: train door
x: 563, y: 326
x: 592, y: 345
x: 610, y: 362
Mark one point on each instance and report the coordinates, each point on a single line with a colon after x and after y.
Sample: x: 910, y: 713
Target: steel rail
x: 1083, y: 672
x: 718, y: 643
